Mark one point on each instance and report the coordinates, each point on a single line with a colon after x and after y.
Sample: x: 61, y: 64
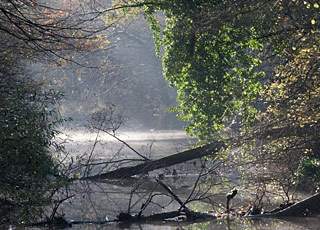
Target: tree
x: 212, y: 51
x: 35, y: 30
x: 292, y: 99
x: 50, y: 30
x: 245, y: 63
x: 212, y: 61
x: 28, y: 123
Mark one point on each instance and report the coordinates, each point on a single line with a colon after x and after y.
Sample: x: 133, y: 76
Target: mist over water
x: 154, y: 144
x: 156, y: 135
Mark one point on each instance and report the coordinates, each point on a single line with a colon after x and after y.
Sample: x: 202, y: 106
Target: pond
x: 102, y: 200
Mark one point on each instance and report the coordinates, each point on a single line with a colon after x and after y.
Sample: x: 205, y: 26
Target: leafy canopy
x: 220, y: 55
x: 213, y: 62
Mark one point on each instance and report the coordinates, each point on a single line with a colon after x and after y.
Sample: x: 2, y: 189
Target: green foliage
x: 214, y: 67
x: 28, y: 121
x: 248, y: 64
x: 309, y: 169
x: 212, y: 51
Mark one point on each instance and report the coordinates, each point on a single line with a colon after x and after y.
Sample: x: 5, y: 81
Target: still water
x: 105, y: 199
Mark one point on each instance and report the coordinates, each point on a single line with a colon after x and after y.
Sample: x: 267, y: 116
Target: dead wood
x: 181, y: 157
x: 174, y: 216
x: 209, y: 149
x: 308, y: 206
x: 159, y: 218
x: 179, y: 215
x: 58, y: 222
x: 174, y: 196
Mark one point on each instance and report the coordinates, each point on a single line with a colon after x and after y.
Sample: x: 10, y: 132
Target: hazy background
x: 126, y: 73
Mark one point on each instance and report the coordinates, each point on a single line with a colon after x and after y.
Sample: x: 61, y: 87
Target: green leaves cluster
x: 309, y: 168
x: 28, y: 121
x: 212, y: 62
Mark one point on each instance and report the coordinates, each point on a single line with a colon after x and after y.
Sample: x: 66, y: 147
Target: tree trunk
x: 310, y: 205
x: 181, y: 157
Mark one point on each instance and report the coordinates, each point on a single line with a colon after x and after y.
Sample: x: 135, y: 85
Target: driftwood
x: 58, y: 222
x: 208, y: 149
x: 126, y: 172
x: 165, y: 216
x: 174, y: 216
x: 310, y: 205
x: 182, y: 214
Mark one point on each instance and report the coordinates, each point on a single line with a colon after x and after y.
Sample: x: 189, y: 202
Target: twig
x: 174, y: 196
x: 57, y: 206
x: 126, y: 144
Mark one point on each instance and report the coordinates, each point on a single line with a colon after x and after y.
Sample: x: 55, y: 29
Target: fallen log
x: 173, y: 216
x: 181, y: 157
x: 165, y: 216
x: 57, y: 222
x: 310, y: 205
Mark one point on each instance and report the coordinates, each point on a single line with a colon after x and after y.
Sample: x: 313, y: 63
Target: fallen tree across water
x: 209, y: 149
x: 181, y: 157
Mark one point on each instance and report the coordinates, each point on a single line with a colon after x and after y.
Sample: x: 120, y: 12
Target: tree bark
x: 309, y: 205
x: 181, y: 157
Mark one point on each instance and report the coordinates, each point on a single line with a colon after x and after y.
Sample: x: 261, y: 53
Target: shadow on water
x: 102, y: 200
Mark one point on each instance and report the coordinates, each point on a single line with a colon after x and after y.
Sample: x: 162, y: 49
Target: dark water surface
x: 103, y: 200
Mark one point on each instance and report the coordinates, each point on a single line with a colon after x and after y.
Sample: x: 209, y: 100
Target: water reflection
x: 299, y: 224
x: 103, y: 200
